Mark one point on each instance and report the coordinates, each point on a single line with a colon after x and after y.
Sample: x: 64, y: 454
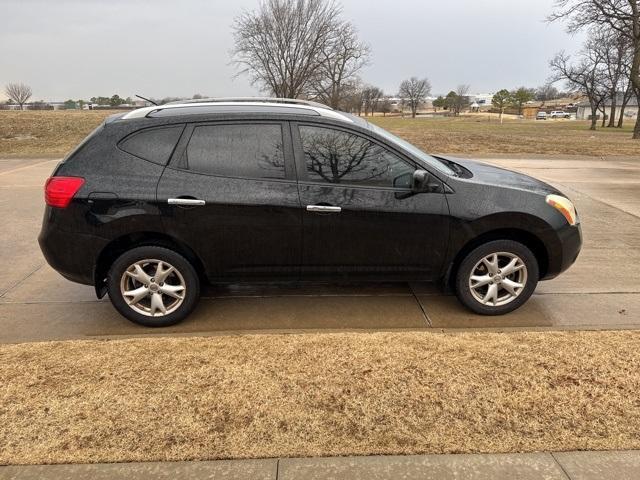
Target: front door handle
x: 185, y: 201
x: 323, y: 209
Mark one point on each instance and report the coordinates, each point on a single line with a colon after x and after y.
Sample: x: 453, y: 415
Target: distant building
x: 395, y: 102
x: 482, y: 99
x: 38, y: 105
x: 56, y: 105
x: 630, y: 111
x: 97, y: 106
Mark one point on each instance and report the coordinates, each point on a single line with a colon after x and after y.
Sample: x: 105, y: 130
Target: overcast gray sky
x: 83, y: 48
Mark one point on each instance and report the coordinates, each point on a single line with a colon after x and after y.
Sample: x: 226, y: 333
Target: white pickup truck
x: 559, y: 114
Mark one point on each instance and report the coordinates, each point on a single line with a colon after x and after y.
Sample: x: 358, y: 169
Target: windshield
x: 404, y: 145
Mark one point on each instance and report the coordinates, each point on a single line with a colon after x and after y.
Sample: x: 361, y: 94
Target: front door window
x: 339, y: 157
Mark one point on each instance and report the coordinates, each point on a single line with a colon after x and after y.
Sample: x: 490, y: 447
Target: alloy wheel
x: 153, y: 287
x: 498, y: 279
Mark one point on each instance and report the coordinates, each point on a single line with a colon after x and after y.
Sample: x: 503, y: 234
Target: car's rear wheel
x: 497, y: 277
x: 153, y: 286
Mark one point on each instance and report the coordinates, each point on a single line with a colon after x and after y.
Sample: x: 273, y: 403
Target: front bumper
x: 561, y: 257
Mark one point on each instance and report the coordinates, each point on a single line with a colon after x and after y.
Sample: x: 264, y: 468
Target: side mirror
x: 419, y: 181
x: 424, y: 182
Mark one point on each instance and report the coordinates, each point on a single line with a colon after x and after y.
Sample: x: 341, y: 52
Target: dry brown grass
x: 54, y: 133
x: 471, y: 135
x: 323, y: 394
x: 48, y: 133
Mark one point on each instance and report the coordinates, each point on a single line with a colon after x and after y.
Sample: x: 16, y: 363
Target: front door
x: 230, y: 194
x: 359, y: 215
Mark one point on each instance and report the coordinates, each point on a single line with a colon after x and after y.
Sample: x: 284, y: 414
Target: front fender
x: 539, y: 235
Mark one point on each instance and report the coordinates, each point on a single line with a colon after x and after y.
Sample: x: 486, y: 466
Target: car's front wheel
x: 153, y: 286
x: 497, y: 277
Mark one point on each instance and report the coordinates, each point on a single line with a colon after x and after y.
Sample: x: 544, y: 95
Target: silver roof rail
x: 288, y: 101
x: 321, y: 110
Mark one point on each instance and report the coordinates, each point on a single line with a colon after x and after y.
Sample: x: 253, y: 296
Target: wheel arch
x: 118, y: 246
x: 528, y: 239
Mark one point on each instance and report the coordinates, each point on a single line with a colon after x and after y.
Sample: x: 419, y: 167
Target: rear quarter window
x: 86, y: 140
x: 153, y: 144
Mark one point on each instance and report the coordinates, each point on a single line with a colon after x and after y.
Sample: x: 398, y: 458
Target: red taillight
x: 58, y: 191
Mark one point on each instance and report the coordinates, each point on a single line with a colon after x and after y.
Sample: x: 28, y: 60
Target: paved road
x: 601, y: 291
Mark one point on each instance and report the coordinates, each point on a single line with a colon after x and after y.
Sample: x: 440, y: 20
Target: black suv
x: 160, y: 199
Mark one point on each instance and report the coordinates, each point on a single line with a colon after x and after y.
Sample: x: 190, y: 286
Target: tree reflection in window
x: 336, y: 156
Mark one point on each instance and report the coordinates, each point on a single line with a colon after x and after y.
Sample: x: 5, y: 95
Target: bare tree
x: 375, y: 97
x: 19, y: 93
x: 279, y: 45
x: 413, y: 93
x: 462, y: 98
x: 370, y: 98
x: 339, y: 64
x: 385, y: 106
x: 457, y: 100
x: 622, y: 16
x: 615, y: 51
x: 352, y: 97
x: 627, y: 93
x: 545, y: 93
x: 586, y: 76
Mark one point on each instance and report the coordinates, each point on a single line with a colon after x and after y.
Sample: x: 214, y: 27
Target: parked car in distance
x: 560, y: 114
x: 159, y: 200
x: 541, y: 116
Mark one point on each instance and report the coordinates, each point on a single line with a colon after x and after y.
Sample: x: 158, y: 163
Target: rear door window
x: 234, y: 150
x: 153, y: 144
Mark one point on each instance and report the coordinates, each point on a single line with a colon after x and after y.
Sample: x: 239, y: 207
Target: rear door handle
x: 323, y: 209
x: 185, y: 201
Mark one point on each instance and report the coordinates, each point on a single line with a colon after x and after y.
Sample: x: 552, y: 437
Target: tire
x: 178, y: 287
x: 506, y: 294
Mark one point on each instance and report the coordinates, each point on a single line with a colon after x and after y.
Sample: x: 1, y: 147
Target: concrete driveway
x: 601, y: 291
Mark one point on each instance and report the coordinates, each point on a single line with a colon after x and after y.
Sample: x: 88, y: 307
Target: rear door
x: 230, y: 193
x: 360, y: 217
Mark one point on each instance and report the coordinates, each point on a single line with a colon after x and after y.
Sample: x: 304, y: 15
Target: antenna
x: 146, y: 100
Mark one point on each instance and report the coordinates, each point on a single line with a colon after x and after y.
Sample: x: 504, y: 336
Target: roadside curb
x: 585, y: 465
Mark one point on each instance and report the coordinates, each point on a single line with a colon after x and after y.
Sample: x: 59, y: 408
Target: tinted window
x: 254, y: 151
x: 155, y: 145
x: 339, y: 157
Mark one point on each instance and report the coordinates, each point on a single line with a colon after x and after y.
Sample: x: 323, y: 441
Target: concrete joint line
x: 566, y: 474
x: 20, y: 282
x: 424, y: 312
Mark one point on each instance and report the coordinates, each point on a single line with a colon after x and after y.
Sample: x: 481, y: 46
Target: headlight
x: 564, y: 206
